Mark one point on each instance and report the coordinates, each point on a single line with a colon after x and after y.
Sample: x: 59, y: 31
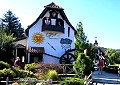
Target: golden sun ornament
x: 38, y: 38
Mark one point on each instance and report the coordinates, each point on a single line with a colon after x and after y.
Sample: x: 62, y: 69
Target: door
x: 35, y: 58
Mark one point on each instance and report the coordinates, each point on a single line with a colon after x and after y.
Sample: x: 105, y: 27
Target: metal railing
x: 88, y: 79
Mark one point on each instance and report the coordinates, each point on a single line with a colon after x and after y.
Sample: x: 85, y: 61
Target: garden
x: 37, y: 73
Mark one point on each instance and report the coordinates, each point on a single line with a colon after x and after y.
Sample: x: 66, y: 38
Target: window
x: 53, y: 14
x: 46, y: 21
x: 68, y: 31
x: 59, y: 22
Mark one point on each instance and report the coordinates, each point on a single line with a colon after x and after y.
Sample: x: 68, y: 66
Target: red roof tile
x: 53, y: 5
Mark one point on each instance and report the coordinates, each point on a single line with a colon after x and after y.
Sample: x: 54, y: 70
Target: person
x: 17, y: 62
x: 100, y: 65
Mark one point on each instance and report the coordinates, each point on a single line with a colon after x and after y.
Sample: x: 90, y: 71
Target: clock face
x: 38, y: 38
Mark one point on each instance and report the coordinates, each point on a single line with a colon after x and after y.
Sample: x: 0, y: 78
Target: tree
x: 113, y: 56
x: 81, y: 42
x: 6, y: 46
x: 12, y: 25
x: 83, y: 65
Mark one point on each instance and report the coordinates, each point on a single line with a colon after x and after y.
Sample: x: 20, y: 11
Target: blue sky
x: 100, y: 18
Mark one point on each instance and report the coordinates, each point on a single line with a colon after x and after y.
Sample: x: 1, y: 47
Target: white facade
x: 51, y: 38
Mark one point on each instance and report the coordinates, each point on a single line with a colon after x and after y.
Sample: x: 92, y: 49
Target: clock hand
x: 52, y: 46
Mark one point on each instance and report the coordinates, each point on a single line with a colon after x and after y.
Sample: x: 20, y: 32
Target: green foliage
x: 12, y: 25
x: 6, y: 46
x: 23, y: 73
x: 113, y: 56
x: 81, y: 42
x: 72, y: 81
x: 30, y: 67
x: 7, y: 73
x: 83, y: 65
x: 4, y: 65
x: 51, y: 74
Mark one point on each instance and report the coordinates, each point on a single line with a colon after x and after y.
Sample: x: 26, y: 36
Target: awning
x: 36, y: 49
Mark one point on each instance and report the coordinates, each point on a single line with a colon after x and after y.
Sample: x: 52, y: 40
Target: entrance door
x: 35, y: 58
x: 20, y: 53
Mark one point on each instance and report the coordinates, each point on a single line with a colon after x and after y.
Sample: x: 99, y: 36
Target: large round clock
x: 38, y: 38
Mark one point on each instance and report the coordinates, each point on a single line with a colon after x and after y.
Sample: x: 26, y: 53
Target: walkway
x: 105, y: 78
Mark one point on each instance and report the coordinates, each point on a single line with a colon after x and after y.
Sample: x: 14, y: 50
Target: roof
x: 53, y: 5
x: 47, y: 8
x: 20, y: 39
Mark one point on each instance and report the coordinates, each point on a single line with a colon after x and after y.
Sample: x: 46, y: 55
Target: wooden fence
x: 29, y: 81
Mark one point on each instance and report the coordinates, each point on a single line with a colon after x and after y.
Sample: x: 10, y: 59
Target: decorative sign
x: 38, y: 38
x: 47, y: 21
x: 65, y: 43
x: 51, y: 46
x: 52, y: 35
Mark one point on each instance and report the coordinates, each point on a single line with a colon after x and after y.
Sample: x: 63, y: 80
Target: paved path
x: 106, y: 78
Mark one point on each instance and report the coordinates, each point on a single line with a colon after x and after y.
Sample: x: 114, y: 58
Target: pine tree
x: 6, y: 46
x: 81, y: 42
x: 12, y: 25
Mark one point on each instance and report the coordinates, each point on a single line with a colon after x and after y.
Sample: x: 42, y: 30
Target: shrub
x: 23, y: 73
x: 45, y: 67
x: 72, y: 81
x: 4, y: 65
x: 51, y: 74
x: 83, y: 65
x: 7, y: 73
x: 30, y: 67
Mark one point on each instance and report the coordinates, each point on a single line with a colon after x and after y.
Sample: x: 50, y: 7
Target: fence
x: 29, y: 81
x: 33, y: 82
x: 67, y: 68
x: 88, y: 79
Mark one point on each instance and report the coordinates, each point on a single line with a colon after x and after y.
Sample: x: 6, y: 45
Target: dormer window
x: 59, y: 22
x: 53, y: 14
x: 46, y: 21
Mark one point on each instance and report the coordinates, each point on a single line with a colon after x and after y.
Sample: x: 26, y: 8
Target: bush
x: 72, y: 81
x: 4, y: 65
x: 30, y: 67
x: 45, y: 67
x: 51, y: 74
x: 83, y: 65
x: 23, y: 73
x: 7, y: 73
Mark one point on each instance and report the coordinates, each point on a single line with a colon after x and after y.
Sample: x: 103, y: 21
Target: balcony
x: 53, y: 28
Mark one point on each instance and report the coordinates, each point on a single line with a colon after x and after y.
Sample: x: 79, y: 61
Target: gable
x: 48, y: 11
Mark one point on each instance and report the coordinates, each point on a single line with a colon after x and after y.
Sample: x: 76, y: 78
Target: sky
x: 100, y: 18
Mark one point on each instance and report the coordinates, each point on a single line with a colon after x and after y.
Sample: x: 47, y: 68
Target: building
x: 50, y: 38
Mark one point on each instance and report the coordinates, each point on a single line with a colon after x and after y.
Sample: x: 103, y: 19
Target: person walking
x: 17, y: 62
x: 100, y: 65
